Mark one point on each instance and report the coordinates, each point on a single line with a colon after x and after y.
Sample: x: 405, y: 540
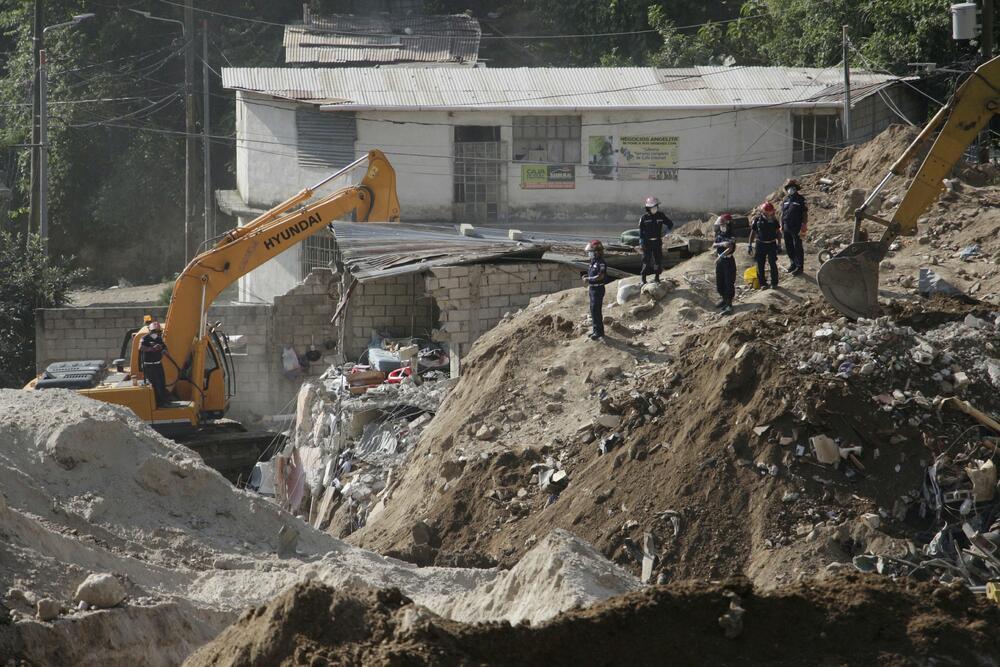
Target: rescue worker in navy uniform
x: 766, y: 231
x: 651, y: 226
x: 794, y: 217
x: 152, y: 348
x: 725, y: 262
x: 595, y: 278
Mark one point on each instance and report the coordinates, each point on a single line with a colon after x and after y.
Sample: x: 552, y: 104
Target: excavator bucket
x: 849, y: 280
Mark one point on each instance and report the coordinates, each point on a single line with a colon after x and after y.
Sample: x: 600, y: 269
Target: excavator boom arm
x: 248, y: 247
x: 849, y: 281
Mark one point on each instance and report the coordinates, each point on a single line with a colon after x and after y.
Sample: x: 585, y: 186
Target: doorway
x: 480, y: 174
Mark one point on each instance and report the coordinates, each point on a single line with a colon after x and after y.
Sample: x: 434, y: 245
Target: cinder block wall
x: 473, y: 298
x: 298, y: 317
x: 396, y: 306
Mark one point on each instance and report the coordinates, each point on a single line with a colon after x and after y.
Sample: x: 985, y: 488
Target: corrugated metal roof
x: 551, y: 88
x: 377, y: 250
x: 357, y: 40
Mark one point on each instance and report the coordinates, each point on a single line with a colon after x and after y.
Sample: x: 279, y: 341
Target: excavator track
x: 228, y: 447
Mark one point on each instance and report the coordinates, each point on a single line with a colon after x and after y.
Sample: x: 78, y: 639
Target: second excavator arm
x: 849, y: 281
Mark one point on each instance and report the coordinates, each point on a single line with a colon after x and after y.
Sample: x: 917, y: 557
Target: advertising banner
x: 652, y: 158
x: 548, y: 177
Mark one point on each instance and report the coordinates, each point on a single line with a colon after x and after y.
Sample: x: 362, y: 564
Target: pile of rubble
x: 954, y: 358
x: 338, y: 466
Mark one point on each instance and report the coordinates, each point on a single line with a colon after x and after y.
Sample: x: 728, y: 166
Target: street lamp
x: 159, y: 18
x: 43, y: 134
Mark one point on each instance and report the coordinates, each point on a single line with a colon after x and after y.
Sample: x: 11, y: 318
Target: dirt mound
x: 849, y: 620
x: 707, y: 437
x: 87, y: 488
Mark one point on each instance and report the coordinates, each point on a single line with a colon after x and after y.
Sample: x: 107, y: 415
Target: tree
x: 28, y: 280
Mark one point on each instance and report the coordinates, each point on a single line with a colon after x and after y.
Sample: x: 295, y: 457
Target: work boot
x: 765, y: 286
x: 798, y: 271
x: 790, y: 268
x: 727, y: 309
x: 721, y: 304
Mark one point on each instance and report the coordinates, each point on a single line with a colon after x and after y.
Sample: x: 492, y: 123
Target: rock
x: 627, y: 292
x: 288, y: 539
x: 421, y: 533
x: 553, y: 407
x: 485, y: 433
x: 607, y: 421
x: 789, y: 497
x: 102, y: 591
x: 655, y: 291
x: 642, y: 308
x: 853, y: 200
x: 48, y: 609
x: 871, y: 520
x: 515, y: 416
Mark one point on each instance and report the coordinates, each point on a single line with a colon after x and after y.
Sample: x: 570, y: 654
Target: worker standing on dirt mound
x: 765, y: 230
x: 595, y: 278
x: 152, y: 348
x: 725, y: 262
x: 651, y: 226
x: 794, y: 217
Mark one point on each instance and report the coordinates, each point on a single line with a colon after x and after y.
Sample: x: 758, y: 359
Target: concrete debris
x: 48, y: 609
x: 102, y: 591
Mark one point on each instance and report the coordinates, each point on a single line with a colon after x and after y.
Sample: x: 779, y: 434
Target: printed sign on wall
x: 601, y: 160
x: 642, y: 158
x: 548, y: 177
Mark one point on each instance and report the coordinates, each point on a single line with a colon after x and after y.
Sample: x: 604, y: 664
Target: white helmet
x: 651, y: 202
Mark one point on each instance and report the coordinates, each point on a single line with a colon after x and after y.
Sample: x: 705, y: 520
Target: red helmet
x: 767, y: 208
x: 594, y: 246
x: 725, y: 217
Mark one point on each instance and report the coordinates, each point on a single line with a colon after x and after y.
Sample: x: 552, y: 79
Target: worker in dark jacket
x: 151, y: 349
x: 765, y: 230
x: 595, y: 278
x: 725, y: 262
x: 651, y: 226
x: 794, y: 217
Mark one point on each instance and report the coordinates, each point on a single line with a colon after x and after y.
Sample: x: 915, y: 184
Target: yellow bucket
x: 750, y: 277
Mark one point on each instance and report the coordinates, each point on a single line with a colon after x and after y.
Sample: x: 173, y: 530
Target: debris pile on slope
x: 348, y: 442
x: 849, y: 620
x: 697, y: 456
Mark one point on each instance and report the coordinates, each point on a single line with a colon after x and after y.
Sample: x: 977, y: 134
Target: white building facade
x: 545, y: 148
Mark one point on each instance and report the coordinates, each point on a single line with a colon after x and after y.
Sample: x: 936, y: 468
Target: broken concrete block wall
x: 394, y: 305
x: 302, y: 315
x: 298, y: 318
x: 473, y: 298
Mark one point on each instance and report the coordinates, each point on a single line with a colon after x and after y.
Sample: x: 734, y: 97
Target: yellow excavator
x: 197, y: 366
x: 849, y: 280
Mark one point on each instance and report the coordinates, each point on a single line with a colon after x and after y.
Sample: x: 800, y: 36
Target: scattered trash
x: 826, y: 449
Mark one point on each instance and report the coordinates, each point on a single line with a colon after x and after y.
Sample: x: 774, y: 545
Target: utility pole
x: 986, y: 38
x: 206, y: 134
x: 37, y: 44
x: 43, y: 152
x: 847, y: 90
x: 189, y: 147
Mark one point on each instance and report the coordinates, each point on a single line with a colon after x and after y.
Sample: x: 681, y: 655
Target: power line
x: 228, y: 16
x: 626, y: 32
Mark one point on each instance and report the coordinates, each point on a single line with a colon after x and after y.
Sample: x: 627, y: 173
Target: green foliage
x: 164, y: 298
x: 28, y: 280
x: 808, y: 33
